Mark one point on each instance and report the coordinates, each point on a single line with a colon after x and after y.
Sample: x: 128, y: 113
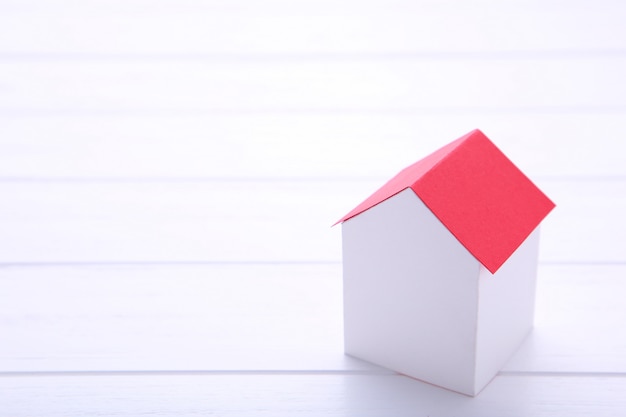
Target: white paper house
x: 439, y: 266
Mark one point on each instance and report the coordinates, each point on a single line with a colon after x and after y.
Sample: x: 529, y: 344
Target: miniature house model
x: 439, y: 266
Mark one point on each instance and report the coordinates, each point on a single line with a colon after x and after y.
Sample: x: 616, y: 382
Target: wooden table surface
x: 169, y: 171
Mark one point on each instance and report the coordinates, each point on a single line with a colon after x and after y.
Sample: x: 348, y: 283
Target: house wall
x: 410, y: 293
x: 505, y: 309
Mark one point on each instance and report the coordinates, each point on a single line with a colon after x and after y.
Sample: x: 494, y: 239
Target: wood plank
x: 307, y: 27
x: 297, y: 145
x: 262, y: 318
x: 578, y: 316
x: 582, y: 228
x: 252, y: 221
x: 305, y: 395
x: 216, y: 317
x: 187, y: 221
x: 330, y: 85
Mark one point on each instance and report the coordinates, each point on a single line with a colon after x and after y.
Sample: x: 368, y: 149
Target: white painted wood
x: 329, y: 85
x: 156, y: 222
x: 578, y: 321
x: 242, y: 221
x: 308, y: 27
x: 581, y: 228
x: 263, y: 318
x: 216, y: 317
x: 272, y: 90
x: 297, y: 145
x: 305, y: 395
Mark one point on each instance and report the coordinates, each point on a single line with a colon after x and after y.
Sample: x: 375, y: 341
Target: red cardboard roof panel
x: 483, y: 199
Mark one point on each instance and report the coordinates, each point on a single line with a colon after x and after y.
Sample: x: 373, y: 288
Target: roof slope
x: 483, y: 199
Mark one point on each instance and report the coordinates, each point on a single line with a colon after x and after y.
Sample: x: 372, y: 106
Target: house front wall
x: 410, y: 294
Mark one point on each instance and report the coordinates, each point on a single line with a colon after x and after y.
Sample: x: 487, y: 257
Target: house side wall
x: 505, y: 309
x: 410, y: 294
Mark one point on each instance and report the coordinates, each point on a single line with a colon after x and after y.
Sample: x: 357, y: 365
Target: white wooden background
x: 169, y: 171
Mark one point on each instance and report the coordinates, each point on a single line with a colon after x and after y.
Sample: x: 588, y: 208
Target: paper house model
x: 439, y: 266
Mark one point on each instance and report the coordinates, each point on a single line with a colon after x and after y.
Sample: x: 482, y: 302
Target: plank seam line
x: 62, y: 264
x: 257, y: 179
x: 449, y: 110
x: 159, y: 263
x: 382, y: 372
x: 577, y: 374
x: 347, y: 56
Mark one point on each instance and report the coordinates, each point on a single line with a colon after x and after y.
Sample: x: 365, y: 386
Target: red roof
x: 483, y: 199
